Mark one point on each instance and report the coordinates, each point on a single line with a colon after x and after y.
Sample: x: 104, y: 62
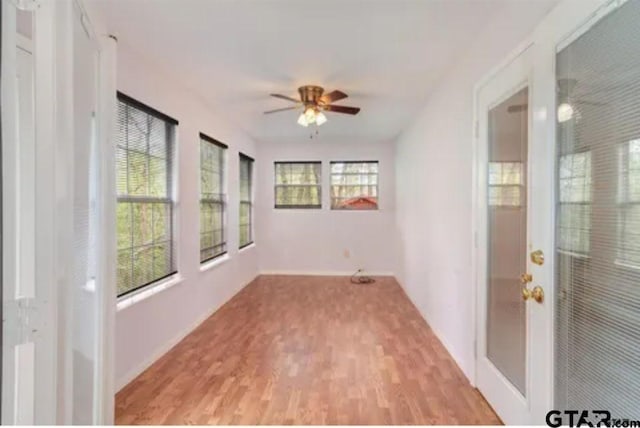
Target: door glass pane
x: 597, y: 311
x: 507, y: 236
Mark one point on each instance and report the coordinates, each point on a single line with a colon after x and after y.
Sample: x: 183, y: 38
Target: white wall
x: 434, y: 187
x: 314, y: 240
x: 148, y: 328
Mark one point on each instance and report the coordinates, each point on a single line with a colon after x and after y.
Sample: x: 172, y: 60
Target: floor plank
x: 307, y: 350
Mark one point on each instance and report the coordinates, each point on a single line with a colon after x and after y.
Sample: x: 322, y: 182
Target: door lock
x: 537, y: 257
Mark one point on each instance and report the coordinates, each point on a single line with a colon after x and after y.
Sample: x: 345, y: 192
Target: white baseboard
x: 323, y: 273
x: 160, y: 351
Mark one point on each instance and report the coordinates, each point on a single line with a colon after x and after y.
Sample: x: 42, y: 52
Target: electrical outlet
x: 347, y: 254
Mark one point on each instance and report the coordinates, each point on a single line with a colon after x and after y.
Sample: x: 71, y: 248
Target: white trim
x: 148, y: 291
x: 589, y: 22
x: 248, y: 247
x: 164, y: 348
x: 104, y: 411
x: 324, y: 273
x: 210, y: 264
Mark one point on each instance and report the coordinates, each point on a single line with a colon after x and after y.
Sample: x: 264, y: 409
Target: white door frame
x: 567, y: 21
x: 104, y: 390
x: 30, y: 320
x: 508, y: 402
x: 53, y: 83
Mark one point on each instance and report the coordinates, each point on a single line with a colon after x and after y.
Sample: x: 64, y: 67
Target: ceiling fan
x: 313, y: 102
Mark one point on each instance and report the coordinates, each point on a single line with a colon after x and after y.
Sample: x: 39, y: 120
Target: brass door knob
x: 526, y: 278
x: 536, y: 294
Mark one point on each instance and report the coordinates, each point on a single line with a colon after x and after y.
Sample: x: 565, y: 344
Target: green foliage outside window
x: 144, y: 216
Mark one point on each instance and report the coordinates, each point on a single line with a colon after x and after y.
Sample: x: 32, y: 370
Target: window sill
x: 247, y: 247
x: 147, y: 292
x: 214, y: 263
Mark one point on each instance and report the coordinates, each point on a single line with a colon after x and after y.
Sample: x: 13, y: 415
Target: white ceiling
x: 386, y: 54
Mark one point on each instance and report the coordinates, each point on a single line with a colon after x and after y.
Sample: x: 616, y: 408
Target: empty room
x: 320, y: 212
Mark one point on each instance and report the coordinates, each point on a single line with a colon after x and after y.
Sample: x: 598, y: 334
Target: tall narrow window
x: 354, y: 185
x: 213, y: 241
x: 145, y: 208
x: 246, y: 200
x: 298, y: 184
x: 574, y: 203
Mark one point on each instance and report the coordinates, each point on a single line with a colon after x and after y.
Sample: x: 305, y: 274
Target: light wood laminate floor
x: 307, y: 350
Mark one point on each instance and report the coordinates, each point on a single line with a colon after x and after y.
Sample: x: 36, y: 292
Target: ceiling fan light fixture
x: 313, y: 101
x: 320, y: 118
x: 302, y: 120
x: 310, y: 115
x: 565, y: 112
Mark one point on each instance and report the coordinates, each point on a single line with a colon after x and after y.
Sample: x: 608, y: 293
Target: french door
x: 28, y: 311
x: 57, y: 254
x: 558, y: 218
x: 512, y: 285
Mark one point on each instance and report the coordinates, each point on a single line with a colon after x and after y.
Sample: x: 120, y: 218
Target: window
x: 629, y: 205
x: 298, y: 184
x: 246, y: 205
x: 354, y: 185
x: 145, y: 207
x: 574, y: 210
x: 212, y: 199
x: 505, y: 184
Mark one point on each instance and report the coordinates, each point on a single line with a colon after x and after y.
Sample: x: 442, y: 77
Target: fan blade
x: 284, y: 97
x: 517, y: 108
x: 333, y: 96
x: 342, y: 109
x: 280, y: 109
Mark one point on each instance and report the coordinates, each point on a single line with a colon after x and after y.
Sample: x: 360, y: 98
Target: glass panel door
x: 507, y: 237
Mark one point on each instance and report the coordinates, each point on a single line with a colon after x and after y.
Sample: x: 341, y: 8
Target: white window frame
x: 222, y: 200
x: 170, y: 200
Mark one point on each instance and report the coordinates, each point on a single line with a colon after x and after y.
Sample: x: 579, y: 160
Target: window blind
x: 597, y: 308
x: 212, y: 199
x: 145, y: 208
x: 298, y: 184
x: 246, y: 200
x: 354, y: 185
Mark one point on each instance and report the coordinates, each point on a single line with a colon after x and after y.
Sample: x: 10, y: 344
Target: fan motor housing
x: 310, y: 94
